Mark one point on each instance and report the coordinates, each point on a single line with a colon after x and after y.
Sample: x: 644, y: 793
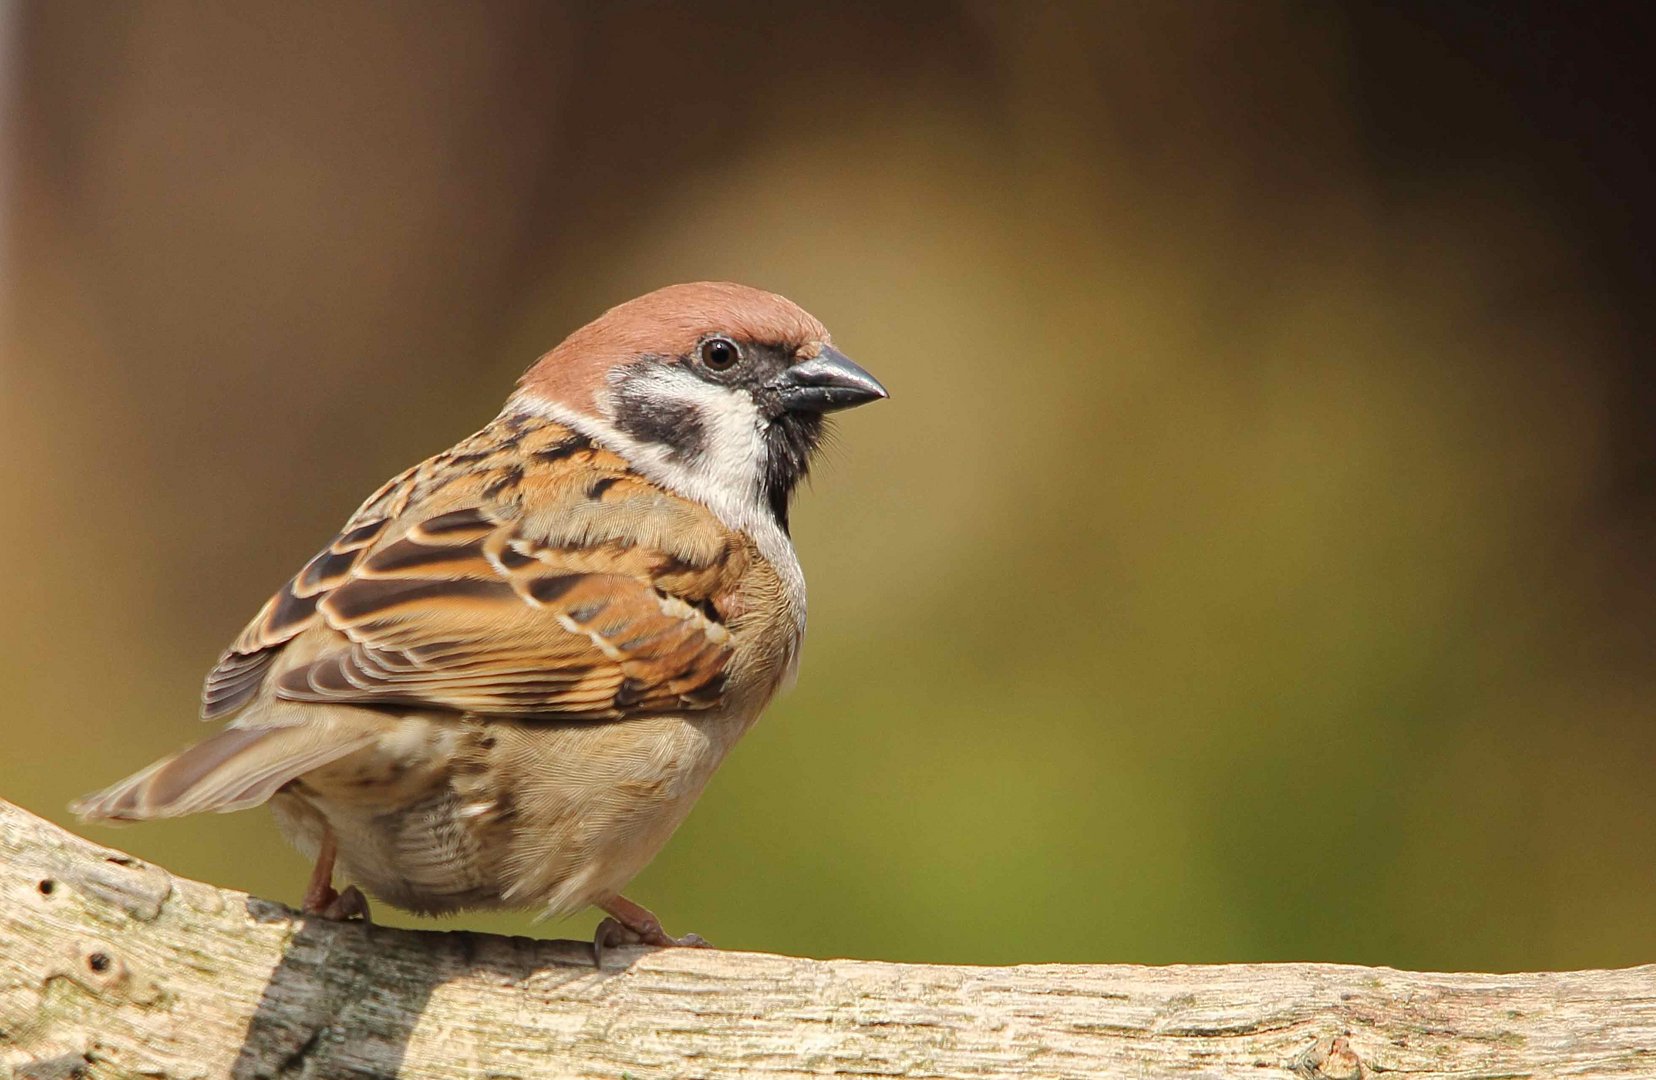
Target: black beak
x: 827, y: 382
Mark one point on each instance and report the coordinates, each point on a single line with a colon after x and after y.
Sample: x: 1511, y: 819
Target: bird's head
x: 715, y: 389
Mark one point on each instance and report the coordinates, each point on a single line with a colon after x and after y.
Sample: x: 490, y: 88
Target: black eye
x: 720, y: 354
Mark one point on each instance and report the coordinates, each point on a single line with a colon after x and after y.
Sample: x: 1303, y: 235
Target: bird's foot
x: 630, y: 924
x: 320, y: 897
x: 350, y: 904
x: 337, y: 906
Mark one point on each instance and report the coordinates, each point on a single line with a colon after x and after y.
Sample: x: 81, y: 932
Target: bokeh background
x: 1254, y: 561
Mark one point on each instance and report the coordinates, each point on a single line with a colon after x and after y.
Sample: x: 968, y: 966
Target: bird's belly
x: 452, y: 814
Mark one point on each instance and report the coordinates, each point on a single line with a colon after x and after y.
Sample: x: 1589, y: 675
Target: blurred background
x: 1254, y: 561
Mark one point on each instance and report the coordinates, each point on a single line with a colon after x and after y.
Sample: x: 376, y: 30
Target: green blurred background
x: 1254, y: 561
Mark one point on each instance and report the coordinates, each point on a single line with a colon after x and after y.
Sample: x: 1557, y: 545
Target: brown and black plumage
x: 508, y: 677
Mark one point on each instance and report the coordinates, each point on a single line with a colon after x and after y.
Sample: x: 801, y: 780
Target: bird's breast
x: 767, y: 624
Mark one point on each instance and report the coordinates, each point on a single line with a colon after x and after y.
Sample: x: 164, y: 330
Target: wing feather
x: 491, y: 608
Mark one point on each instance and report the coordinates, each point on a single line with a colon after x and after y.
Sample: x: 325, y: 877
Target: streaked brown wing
x: 462, y: 614
x: 242, y: 669
x: 558, y: 596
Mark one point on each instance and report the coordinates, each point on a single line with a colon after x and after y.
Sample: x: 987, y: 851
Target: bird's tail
x: 233, y: 770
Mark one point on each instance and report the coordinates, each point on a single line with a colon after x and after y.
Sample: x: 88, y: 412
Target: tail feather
x: 235, y: 769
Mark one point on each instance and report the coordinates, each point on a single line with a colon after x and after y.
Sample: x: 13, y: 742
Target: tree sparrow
x: 507, y: 679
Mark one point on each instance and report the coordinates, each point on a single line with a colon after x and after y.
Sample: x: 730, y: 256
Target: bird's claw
x: 349, y: 904
x: 613, y: 933
x: 340, y: 906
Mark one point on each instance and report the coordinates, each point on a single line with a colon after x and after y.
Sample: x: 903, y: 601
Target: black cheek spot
x: 675, y: 425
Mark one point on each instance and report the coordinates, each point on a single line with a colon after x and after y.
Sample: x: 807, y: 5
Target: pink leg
x: 320, y: 897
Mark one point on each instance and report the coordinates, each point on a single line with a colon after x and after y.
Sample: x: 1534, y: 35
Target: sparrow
x: 507, y: 679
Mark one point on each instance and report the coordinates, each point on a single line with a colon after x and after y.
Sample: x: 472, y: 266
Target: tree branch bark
x: 110, y: 967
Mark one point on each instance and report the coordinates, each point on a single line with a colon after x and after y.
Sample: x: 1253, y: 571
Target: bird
x: 509, y: 676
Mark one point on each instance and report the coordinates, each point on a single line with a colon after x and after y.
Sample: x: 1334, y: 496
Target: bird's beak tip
x: 827, y: 382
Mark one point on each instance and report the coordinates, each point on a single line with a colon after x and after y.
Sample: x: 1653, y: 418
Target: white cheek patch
x: 723, y: 458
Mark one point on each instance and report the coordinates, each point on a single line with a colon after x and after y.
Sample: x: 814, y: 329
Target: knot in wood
x: 1329, y: 1058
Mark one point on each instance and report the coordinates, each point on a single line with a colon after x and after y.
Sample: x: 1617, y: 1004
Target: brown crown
x: 667, y: 322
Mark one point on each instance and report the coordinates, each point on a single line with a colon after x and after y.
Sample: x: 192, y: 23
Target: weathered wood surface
x: 112, y: 967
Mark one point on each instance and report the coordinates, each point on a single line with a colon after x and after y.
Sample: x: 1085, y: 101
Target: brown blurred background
x: 1254, y: 560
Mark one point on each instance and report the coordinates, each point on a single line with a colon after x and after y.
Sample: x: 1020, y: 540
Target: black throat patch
x: 790, y: 442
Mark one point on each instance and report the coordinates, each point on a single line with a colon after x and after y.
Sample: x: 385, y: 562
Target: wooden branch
x: 110, y: 967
